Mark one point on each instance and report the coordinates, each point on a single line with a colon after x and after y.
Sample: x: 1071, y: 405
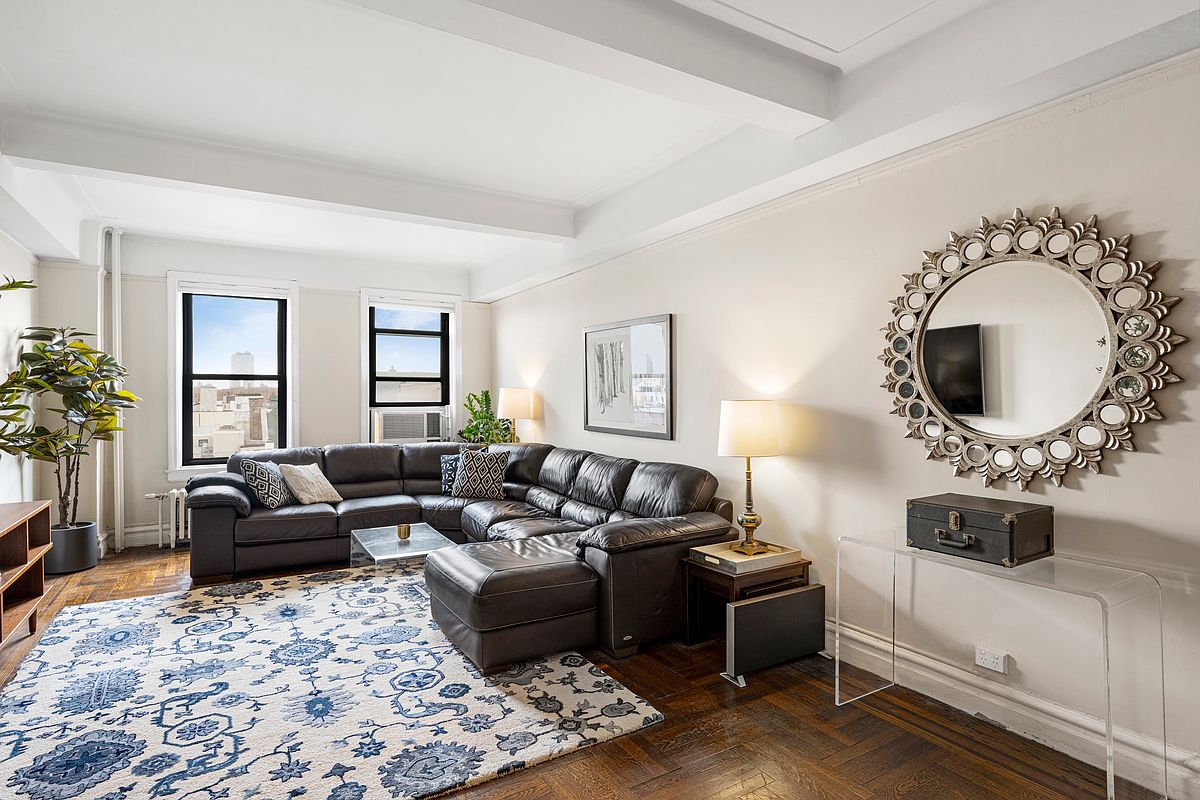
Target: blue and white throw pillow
x: 481, y: 475
x: 266, y: 481
x: 449, y: 473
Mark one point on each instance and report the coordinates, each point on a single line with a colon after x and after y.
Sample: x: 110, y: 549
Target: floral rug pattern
x: 331, y: 686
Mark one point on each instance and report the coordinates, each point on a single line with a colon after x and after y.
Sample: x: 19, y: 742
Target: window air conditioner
x: 397, y: 426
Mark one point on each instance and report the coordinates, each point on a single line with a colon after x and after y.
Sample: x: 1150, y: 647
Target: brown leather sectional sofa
x: 584, y: 550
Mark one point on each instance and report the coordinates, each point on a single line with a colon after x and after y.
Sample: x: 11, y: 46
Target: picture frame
x: 628, y: 377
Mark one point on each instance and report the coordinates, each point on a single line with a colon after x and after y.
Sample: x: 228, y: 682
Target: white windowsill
x: 181, y: 474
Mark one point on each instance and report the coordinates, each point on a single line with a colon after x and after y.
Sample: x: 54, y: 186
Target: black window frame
x: 372, y: 378
x: 190, y: 377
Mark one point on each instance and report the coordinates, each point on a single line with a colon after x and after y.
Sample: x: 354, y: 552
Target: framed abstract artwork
x: 628, y: 378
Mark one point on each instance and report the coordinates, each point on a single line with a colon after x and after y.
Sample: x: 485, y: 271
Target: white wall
x: 788, y: 303
x: 16, y: 312
x: 69, y: 294
x: 328, y: 386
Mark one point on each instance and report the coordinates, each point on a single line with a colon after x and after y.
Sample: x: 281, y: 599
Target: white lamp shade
x: 749, y: 428
x: 515, y: 403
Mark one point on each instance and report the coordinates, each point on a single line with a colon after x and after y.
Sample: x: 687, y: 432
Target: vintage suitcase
x: 1000, y: 532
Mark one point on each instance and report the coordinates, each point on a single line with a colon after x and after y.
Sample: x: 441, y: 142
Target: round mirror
x: 1032, y: 457
x: 1058, y: 243
x: 1015, y: 349
x: 1028, y: 348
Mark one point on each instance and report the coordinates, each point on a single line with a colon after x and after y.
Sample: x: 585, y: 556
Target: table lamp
x: 749, y: 429
x: 514, y: 404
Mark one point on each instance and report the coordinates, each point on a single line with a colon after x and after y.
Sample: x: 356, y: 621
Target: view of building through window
x: 409, y: 356
x: 233, y: 381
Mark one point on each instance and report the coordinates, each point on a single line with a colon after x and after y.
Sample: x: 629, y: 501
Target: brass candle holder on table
x: 403, y: 531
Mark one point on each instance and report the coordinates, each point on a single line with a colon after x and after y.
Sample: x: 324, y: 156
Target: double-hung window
x: 409, y: 357
x: 234, y: 390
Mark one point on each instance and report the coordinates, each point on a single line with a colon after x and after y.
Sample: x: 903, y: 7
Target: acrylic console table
x: 1128, y: 601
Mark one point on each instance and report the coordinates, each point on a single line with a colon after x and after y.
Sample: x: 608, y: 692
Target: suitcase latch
x: 955, y: 521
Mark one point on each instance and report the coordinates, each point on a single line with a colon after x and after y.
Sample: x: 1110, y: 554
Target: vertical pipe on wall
x: 114, y: 263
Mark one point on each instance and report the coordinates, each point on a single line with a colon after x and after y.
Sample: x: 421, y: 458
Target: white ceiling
x: 334, y: 82
x: 846, y: 33
x: 517, y: 140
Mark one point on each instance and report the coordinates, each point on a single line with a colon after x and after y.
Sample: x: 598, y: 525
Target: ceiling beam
x: 656, y: 46
x: 83, y: 148
x: 901, y: 102
x: 43, y: 211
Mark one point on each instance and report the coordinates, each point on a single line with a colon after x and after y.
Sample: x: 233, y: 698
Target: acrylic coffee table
x: 383, y: 547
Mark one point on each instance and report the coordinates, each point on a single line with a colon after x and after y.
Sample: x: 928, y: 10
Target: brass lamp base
x: 750, y: 520
x: 750, y: 547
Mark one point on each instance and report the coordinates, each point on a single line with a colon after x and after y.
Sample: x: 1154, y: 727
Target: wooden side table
x: 699, y: 577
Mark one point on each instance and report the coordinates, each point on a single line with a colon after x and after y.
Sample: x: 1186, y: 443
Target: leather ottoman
x: 502, y: 602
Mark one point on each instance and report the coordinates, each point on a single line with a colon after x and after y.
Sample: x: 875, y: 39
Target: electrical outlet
x: 991, y: 658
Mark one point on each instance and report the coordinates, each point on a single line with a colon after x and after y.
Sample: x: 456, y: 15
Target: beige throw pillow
x: 309, y: 484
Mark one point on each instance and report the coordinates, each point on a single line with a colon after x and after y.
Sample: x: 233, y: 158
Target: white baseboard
x: 1059, y: 727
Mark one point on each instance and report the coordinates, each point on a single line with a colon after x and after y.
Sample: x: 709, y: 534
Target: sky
x: 223, y: 326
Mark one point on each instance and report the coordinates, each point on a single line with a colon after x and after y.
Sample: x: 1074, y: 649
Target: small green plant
x: 482, y: 425
x: 87, y: 382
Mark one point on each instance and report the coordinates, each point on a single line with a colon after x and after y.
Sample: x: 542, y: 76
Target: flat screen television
x: 953, y: 362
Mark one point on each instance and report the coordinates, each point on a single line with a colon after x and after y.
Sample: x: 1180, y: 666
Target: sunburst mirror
x: 1027, y: 348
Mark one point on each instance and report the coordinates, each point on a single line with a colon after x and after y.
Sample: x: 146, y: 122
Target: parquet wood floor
x: 781, y: 738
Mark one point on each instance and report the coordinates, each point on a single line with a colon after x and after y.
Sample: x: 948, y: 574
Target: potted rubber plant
x: 88, y: 385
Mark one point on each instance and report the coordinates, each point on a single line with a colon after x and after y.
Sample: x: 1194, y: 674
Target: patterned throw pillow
x: 309, y: 484
x: 265, y: 479
x: 449, y: 472
x: 481, y: 474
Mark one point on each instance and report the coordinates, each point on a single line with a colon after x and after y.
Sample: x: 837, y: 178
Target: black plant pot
x: 74, y: 548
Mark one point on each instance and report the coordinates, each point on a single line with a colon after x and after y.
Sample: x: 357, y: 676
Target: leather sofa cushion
x: 481, y: 515
x: 416, y: 486
x: 668, y: 490
x: 369, y: 488
x: 500, y: 584
x: 424, y: 459
x: 362, y: 463
x: 602, y: 481
x: 560, y: 468
x: 441, y: 511
x: 511, y: 529
x: 525, y: 460
x: 375, y: 512
x: 584, y: 514
x: 549, y: 501
x: 286, y: 524
x: 288, y: 455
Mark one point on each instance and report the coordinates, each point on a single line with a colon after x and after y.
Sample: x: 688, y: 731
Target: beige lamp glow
x: 514, y: 404
x: 749, y: 429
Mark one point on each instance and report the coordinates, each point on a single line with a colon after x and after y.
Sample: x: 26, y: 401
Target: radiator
x: 175, y: 525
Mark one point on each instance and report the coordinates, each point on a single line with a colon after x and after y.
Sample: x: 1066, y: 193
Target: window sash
x: 189, y: 377
x: 373, y: 379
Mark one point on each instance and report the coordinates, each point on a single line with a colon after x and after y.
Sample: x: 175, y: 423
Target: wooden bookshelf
x: 24, y: 542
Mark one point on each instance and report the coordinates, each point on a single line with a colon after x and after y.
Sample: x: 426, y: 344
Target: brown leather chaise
x: 583, y: 550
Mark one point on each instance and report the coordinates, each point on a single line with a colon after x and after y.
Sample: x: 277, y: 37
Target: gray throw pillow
x: 266, y: 481
x: 309, y: 484
x: 481, y: 475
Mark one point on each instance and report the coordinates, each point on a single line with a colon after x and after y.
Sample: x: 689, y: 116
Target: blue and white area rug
x: 332, y: 686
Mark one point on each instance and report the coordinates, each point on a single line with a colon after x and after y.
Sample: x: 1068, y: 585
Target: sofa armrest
x: 219, y: 496
x: 636, y: 534
x: 218, y: 479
